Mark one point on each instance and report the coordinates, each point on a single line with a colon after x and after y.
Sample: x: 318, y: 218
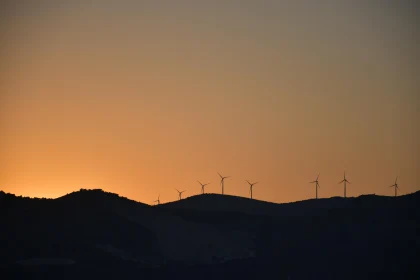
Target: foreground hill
x: 94, y: 234
x: 90, y: 225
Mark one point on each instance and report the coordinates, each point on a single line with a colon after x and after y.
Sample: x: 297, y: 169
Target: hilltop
x: 210, y: 236
x: 229, y: 203
x: 245, y: 201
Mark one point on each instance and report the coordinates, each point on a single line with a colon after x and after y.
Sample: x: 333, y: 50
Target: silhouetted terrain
x: 91, y: 234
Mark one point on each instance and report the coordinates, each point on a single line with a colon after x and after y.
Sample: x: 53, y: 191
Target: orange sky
x: 141, y: 97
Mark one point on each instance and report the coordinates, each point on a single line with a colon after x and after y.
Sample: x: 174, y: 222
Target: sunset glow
x: 140, y: 99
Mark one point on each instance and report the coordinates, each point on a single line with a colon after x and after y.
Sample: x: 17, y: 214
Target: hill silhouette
x: 92, y: 233
x: 229, y: 203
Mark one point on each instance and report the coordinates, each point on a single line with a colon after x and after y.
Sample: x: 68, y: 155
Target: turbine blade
x: 341, y: 182
x: 348, y: 182
x: 312, y: 182
x: 248, y: 182
x: 396, y: 180
x: 220, y: 175
x: 317, y: 177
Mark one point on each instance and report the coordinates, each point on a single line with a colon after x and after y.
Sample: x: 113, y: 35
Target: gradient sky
x: 141, y: 97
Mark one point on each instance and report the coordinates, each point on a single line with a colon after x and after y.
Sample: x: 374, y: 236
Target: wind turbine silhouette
x: 345, y: 181
x: 316, y: 186
x: 250, y: 186
x: 202, y: 186
x: 395, y: 185
x: 222, y: 182
x: 180, y: 194
x: 158, y: 201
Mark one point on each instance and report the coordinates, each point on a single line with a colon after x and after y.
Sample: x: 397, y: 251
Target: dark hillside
x: 368, y: 233
x: 81, y: 226
x: 110, y: 237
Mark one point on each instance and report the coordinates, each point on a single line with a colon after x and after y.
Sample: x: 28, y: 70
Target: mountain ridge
x: 208, y: 236
x: 101, y: 192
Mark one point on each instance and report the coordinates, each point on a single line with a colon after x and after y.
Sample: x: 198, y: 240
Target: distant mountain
x: 228, y: 203
x: 95, y: 234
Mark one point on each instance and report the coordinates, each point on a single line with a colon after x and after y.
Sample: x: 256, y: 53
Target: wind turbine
x: 202, y: 186
x: 158, y: 201
x: 180, y: 194
x: 250, y: 186
x: 316, y: 186
x: 222, y: 182
x: 345, y: 181
x: 395, y: 185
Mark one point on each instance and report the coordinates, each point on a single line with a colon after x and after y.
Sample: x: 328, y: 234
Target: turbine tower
x: 158, y: 201
x: 250, y: 186
x: 180, y: 194
x: 345, y: 181
x: 316, y: 186
x: 222, y: 182
x: 202, y: 186
x: 395, y: 185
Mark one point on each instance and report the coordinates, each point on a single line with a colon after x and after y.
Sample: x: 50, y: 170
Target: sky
x: 142, y: 97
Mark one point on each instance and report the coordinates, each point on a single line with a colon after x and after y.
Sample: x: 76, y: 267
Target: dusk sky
x: 141, y: 97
